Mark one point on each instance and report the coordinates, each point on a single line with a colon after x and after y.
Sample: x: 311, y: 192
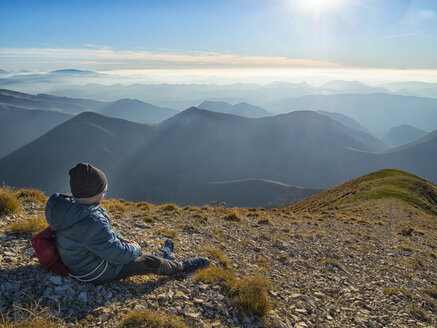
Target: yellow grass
x: 28, y: 226
x: 8, y: 201
x: 31, y: 195
x: 151, y: 319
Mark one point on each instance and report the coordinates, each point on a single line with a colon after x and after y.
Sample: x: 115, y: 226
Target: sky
x: 238, y: 34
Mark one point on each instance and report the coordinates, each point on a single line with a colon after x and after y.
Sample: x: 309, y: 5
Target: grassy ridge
x: 383, y: 184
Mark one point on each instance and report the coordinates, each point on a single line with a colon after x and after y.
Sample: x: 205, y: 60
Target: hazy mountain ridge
x: 19, y: 125
x: 137, y: 111
x: 240, y: 109
x: 377, y: 112
x: 88, y: 137
x: 160, y: 163
x: 402, y: 135
x: 130, y: 109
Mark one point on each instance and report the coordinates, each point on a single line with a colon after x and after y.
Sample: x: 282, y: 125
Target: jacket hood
x: 61, y: 212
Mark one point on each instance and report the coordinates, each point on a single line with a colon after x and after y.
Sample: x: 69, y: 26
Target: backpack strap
x: 85, y: 275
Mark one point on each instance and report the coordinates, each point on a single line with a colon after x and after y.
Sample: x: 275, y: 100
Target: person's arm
x: 104, y: 242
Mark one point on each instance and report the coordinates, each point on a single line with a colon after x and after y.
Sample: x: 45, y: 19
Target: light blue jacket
x: 84, y: 238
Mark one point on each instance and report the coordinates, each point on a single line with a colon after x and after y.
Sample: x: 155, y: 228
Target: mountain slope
x: 199, y: 146
x: 19, y: 125
x: 48, y: 102
x: 418, y: 157
x: 345, y: 120
x: 87, y: 137
x: 242, y: 193
x: 365, y: 134
x: 383, y: 184
x: 402, y: 135
x: 242, y: 109
x: 378, y: 112
x: 137, y: 111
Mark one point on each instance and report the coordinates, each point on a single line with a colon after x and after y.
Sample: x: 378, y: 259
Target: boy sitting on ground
x: 88, y: 245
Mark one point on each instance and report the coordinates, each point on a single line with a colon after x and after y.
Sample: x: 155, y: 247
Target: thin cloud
x: 427, y: 14
x: 140, y: 57
x: 396, y: 36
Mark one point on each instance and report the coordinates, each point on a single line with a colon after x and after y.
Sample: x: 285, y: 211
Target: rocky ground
x: 373, y: 265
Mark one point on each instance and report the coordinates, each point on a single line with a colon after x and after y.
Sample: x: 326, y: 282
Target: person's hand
x: 130, y: 242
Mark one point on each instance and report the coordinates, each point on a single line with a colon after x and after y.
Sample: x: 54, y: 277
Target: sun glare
x: 318, y: 6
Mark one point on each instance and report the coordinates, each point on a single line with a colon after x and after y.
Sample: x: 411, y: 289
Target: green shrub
x: 8, y: 202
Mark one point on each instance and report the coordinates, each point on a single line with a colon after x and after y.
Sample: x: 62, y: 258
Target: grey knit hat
x: 87, y: 181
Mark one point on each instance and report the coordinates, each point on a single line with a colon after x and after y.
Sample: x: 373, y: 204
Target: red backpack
x: 46, y: 252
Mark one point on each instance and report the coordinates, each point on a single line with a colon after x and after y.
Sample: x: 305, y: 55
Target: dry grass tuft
x: 432, y: 291
x: 333, y: 262
x: 251, y: 296
x: 217, y: 275
x: 143, y: 206
x: 150, y: 319
x: 31, y: 195
x: 148, y: 219
x: 263, y: 262
x: 215, y: 254
x: 28, y: 226
x: 170, y: 208
x: 234, y: 217
x: 420, y: 314
x: 391, y: 291
x: 405, y: 248
x: 9, y: 203
x: 117, y: 206
x: 30, y: 323
x: 34, y: 316
x: 265, y: 221
x: 408, y: 263
x: 169, y: 233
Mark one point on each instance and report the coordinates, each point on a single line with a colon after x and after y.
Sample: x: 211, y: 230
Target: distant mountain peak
x: 241, y: 109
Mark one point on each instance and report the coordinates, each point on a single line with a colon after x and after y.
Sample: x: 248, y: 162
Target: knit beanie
x: 86, y: 181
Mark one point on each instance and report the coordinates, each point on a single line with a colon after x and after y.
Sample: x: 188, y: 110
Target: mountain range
x: 196, y: 150
x: 377, y: 112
